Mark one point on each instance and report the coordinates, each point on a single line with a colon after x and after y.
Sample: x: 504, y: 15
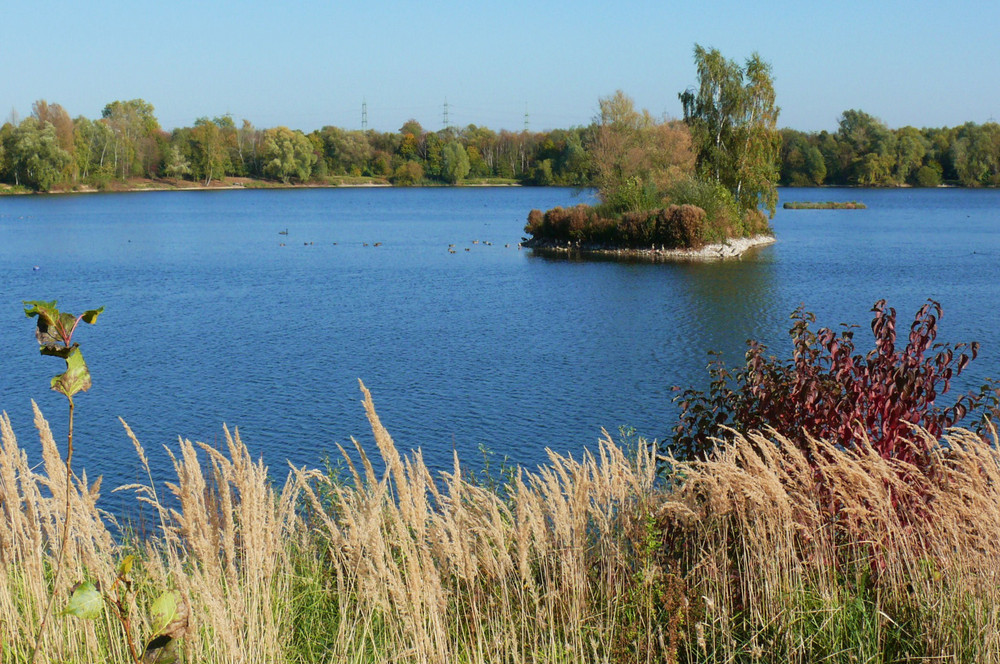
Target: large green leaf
x: 86, y: 602
x: 54, y: 328
x: 41, y: 308
x: 77, y: 376
x: 169, y: 618
x: 169, y: 614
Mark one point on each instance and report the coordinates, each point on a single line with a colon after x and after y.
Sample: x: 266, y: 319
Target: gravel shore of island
x: 732, y: 248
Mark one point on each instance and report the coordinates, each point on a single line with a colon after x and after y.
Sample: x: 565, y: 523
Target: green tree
x: 288, y: 154
x: 229, y: 137
x: 975, y: 154
x: 94, y: 145
x: 868, y: 149
x: 345, y: 152
x: 36, y: 159
x: 482, y: 141
x: 911, y: 147
x: 875, y: 169
x: 430, y: 152
x: 929, y: 175
x: 571, y: 164
x: 733, y: 120
x: 249, y: 143
x: 802, y: 163
x: 411, y: 126
x: 209, y: 157
x: 815, y: 165
x: 836, y: 157
x: 175, y: 165
x: 939, y: 151
x: 130, y: 122
x: 408, y: 174
x: 455, y: 162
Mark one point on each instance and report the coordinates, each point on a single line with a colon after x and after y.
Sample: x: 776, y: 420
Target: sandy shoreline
x: 732, y: 248
x: 229, y: 185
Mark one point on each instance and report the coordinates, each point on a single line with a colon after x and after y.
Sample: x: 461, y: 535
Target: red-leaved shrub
x: 828, y: 391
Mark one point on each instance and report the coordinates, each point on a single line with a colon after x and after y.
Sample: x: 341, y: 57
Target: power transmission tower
x: 445, y: 115
x: 364, y: 114
x: 527, y: 118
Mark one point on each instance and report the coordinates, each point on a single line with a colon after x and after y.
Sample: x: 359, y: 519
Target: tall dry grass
x: 840, y: 555
x: 763, y: 553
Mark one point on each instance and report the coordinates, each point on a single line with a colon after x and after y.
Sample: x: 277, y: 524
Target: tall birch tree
x: 733, y: 120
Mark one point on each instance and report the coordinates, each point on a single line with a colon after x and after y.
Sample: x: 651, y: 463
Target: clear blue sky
x: 308, y: 63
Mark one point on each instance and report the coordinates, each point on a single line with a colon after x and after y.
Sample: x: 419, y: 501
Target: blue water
x: 210, y: 320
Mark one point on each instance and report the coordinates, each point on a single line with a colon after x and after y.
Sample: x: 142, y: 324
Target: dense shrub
x: 755, y: 223
x: 676, y: 226
x: 630, y: 195
x: 717, y: 202
x: 408, y: 174
x: 928, y: 176
x: 828, y: 391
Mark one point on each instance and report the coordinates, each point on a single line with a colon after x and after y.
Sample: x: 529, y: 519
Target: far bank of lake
x: 236, y: 183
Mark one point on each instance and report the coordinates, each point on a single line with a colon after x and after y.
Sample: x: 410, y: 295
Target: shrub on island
x: 673, y: 227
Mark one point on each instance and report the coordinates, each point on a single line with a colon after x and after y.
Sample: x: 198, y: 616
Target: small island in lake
x: 828, y: 205
x: 695, y: 188
x: 676, y: 231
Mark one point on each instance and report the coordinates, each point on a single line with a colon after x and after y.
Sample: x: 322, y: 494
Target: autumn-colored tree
x: 635, y: 158
x: 408, y: 146
x: 57, y: 116
x: 408, y: 174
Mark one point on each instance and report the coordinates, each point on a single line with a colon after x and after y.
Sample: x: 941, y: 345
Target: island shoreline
x: 729, y: 249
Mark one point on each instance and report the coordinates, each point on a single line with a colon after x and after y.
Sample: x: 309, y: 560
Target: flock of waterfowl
x: 451, y: 247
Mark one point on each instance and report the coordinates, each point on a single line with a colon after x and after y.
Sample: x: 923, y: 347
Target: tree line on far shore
x: 50, y: 150
x: 863, y: 151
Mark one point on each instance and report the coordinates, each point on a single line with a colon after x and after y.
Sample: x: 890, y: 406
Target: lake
x: 214, y: 317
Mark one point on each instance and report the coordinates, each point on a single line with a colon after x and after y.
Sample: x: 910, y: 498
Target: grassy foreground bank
x: 744, y: 557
